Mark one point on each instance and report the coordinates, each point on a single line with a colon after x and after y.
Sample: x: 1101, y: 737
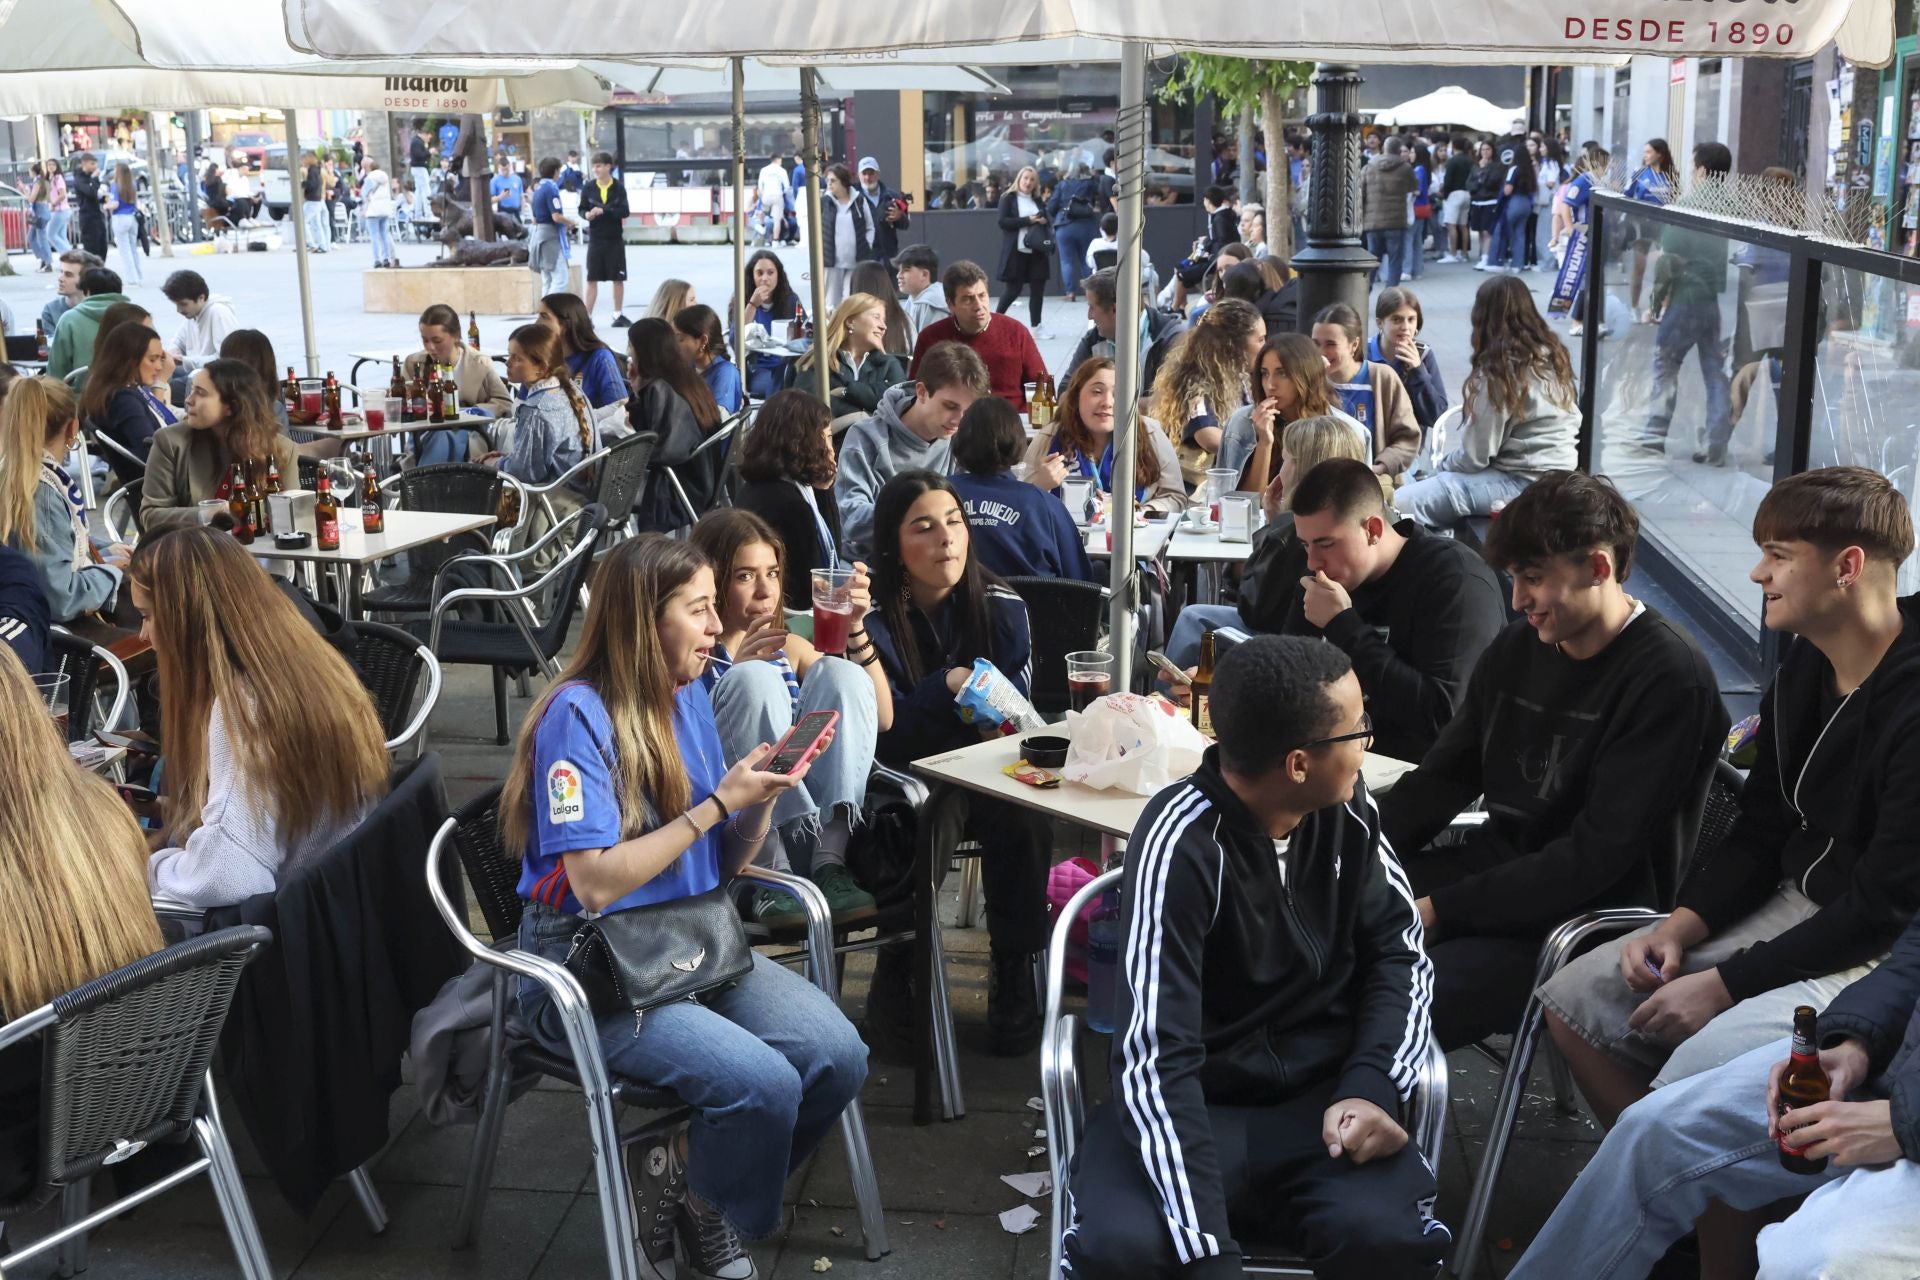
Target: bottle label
x: 1203, y: 713
x: 329, y: 534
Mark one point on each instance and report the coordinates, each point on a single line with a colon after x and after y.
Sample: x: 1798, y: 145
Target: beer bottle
x: 330, y: 402
x: 1804, y: 1084
x: 416, y: 409
x: 326, y: 515
x: 436, y: 399
x: 373, y: 514
x: 449, y: 394
x: 397, y: 385
x: 797, y: 327
x: 273, y: 477
x: 237, y: 504
x: 473, y: 330
x: 268, y: 489
x: 290, y: 392
x: 1202, y: 707
x: 1040, y: 412
x: 39, y: 340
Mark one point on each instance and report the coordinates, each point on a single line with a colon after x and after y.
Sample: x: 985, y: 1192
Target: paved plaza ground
x: 940, y: 1184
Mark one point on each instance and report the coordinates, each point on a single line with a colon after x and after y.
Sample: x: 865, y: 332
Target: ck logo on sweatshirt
x: 563, y: 793
x: 1542, y: 766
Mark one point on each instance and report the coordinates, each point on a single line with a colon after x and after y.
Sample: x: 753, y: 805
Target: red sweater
x: 1007, y: 347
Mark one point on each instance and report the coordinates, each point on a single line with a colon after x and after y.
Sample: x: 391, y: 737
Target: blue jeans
x: 39, y: 243
x: 1698, y: 1139
x: 1509, y: 231
x: 1412, y: 256
x: 1445, y: 498
x: 382, y: 242
x: 57, y: 238
x: 1183, y: 646
x: 751, y: 705
x: 1387, y: 246
x: 319, y: 227
x: 1684, y: 327
x: 1071, y: 241
x: 768, y: 1064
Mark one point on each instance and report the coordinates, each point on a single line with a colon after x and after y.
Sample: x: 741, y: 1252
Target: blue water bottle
x: 1105, y: 930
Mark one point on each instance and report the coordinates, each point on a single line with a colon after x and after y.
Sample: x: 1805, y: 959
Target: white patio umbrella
x: 761, y: 76
x: 1450, y: 104
x: 1001, y: 32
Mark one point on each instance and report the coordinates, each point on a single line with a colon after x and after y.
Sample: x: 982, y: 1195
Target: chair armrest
x: 427, y: 701
x: 541, y: 490
x: 1559, y: 946
x: 820, y: 956
x: 504, y: 561
x: 1427, y: 1108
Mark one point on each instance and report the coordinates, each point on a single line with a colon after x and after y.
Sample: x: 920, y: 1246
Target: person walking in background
x: 1483, y: 190
x: 547, y: 234
x: 60, y: 203
x: 1549, y: 170
x: 1385, y: 186
x: 603, y: 203
x: 1074, y: 212
x: 89, y: 192
x: 847, y: 239
x: 1026, y: 248
x: 1517, y: 184
x: 1414, y: 256
x: 313, y: 193
x: 888, y: 210
x: 40, y: 222
x: 1654, y: 182
x: 376, y: 210
x: 419, y: 161
x: 1691, y: 276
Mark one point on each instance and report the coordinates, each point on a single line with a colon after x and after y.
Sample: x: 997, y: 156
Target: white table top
x: 1191, y: 544
x: 405, y: 530
x: 1148, y: 539
x: 978, y: 768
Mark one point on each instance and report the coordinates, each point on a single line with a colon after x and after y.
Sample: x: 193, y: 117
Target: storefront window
x: 660, y: 147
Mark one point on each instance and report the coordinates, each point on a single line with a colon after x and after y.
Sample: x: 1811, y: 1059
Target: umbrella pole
x: 299, y: 216
x: 155, y: 177
x: 739, y: 316
x: 1131, y: 163
x: 816, y: 233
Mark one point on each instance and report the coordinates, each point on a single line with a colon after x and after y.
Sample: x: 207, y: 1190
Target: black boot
x: 1013, y: 1011
x: 888, y: 1026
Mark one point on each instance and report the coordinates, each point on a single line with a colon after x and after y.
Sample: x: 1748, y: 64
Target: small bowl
x: 295, y: 541
x: 1044, y: 752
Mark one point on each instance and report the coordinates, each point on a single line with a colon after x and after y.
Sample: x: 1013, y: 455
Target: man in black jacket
x: 1822, y: 867
x: 1272, y: 1018
x: 1591, y: 729
x: 1717, y: 1137
x: 889, y: 209
x: 603, y: 203
x: 89, y: 214
x: 1103, y: 311
x: 24, y: 616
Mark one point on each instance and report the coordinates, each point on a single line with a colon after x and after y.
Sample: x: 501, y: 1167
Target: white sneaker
x: 1482, y: 265
x: 1446, y: 257
x: 1040, y: 333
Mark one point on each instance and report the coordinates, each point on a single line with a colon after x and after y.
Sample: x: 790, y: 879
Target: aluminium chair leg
x: 369, y: 1197
x: 499, y: 707
x: 865, y: 1181
x: 953, y: 1105
x: 968, y: 913
x: 75, y: 1200
x: 1506, y: 1109
x: 230, y: 1191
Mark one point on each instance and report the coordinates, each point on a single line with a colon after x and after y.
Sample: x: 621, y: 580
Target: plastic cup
x: 53, y: 689
x: 1220, y: 482
x: 1089, y: 676
x: 832, y: 609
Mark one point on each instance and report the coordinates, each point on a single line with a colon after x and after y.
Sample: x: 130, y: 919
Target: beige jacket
x: 1169, y: 493
x: 185, y: 468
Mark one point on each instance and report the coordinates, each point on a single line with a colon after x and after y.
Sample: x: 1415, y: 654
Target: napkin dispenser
x: 1236, y: 517
x: 292, y: 511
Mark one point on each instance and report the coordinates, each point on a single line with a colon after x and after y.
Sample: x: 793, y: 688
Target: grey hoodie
x: 874, y: 450
x: 930, y: 306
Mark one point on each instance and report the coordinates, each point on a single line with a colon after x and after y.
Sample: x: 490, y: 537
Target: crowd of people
x: 1295, y: 945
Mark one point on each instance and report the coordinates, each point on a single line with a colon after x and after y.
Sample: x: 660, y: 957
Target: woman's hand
x: 1049, y: 472
x: 762, y: 295
x: 1038, y: 219
x: 764, y: 637
x: 748, y: 784
x: 957, y: 679
x: 1264, y: 414
x: 1405, y: 353
x: 1270, y: 500
x: 860, y: 592
x: 119, y: 555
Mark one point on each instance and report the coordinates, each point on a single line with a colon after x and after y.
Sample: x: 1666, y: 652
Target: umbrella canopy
x: 1451, y: 104
x: 156, y: 89
x: 1522, y: 31
x: 765, y: 77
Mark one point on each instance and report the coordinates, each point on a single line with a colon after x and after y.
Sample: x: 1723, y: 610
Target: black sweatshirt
x: 1244, y: 987
x: 1882, y: 1012
x: 1594, y: 775
x: 1833, y: 804
x: 1413, y: 635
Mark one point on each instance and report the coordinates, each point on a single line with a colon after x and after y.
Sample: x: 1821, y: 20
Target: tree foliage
x: 1239, y: 83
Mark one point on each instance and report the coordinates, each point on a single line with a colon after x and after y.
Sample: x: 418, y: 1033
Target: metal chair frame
x: 430, y: 667
x: 80, y: 649
x: 721, y: 435
x: 1064, y: 1099
x: 619, y: 1230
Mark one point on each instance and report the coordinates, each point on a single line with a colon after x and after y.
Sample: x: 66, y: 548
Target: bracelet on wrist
x: 725, y: 812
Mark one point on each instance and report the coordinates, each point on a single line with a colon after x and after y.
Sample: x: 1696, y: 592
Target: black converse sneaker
x: 714, y: 1251
x: 659, y: 1185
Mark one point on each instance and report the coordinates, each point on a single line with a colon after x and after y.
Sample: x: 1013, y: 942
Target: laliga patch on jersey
x: 563, y: 793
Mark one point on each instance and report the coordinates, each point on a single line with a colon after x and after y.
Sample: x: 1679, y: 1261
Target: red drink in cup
x: 376, y: 419
x: 832, y: 609
x: 310, y: 402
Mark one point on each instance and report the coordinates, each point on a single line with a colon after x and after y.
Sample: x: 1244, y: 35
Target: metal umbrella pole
x: 816, y: 233
x: 299, y: 216
x: 1131, y: 162
x: 739, y: 215
x: 156, y: 175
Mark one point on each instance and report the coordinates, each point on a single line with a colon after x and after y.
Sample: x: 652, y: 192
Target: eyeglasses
x: 1365, y: 731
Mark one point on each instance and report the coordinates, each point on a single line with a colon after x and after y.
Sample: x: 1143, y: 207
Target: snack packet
x: 990, y: 700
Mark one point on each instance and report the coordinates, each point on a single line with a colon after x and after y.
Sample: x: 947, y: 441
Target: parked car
x: 255, y: 145
x: 274, y: 182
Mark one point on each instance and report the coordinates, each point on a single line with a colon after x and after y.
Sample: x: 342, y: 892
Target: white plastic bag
x: 1131, y: 742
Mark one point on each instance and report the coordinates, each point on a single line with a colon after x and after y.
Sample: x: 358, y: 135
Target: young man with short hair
x: 603, y: 203
x: 1160, y: 329
x: 1271, y: 1016
x: 88, y: 190
x: 1822, y: 868
x: 1591, y: 728
x: 67, y: 288
x: 208, y: 319
x: 1412, y: 611
x: 915, y: 270
x: 909, y: 431
x: 506, y: 188
x: 1004, y: 343
x: 72, y: 344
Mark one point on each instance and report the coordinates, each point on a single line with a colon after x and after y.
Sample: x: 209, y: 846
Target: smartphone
x: 801, y: 741
x: 136, y: 795
x: 1166, y: 666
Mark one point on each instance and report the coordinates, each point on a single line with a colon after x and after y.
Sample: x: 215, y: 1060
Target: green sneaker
x: 777, y: 909
x: 845, y: 898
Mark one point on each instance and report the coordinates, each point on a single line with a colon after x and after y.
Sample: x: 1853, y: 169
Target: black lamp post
x: 1334, y: 265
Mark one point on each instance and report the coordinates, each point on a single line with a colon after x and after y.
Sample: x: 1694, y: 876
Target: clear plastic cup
x: 832, y: 609
x: 1089, y: 676
x: 53, y: 688
x: 1220, y: 482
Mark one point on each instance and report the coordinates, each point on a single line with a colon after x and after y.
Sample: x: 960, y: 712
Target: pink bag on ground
x: 1065, y: 880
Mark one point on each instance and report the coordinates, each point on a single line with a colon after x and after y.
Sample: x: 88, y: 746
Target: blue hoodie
x: 1020, y: 531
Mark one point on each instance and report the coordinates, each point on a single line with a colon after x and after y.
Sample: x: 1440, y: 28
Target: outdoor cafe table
x: 980, y: 768
x: 1149, y: 539
x: 1208, y: 553
x: 361, y: 359
x: 381, y: 441
x: 404, y: 531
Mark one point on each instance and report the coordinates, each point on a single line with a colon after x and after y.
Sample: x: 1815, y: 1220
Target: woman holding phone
x: 764, y: 680
x: 619, y: 798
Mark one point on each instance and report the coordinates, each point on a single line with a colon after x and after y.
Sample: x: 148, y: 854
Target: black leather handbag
x: 644, y: 957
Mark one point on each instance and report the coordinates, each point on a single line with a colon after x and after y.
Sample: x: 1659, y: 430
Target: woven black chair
x: 493, y: 874
x: 623, y: 477
x: 525, y: 642
x: 390, y: 662
x: 1717, y: 815
x: 667, y: 506
x: 123, y: 1066
x: 454, y: 488
x: 1063, y: 616
x: 83, y: 662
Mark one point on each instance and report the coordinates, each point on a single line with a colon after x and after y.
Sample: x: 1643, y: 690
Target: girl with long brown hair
x: 593, y: 364
x: 1204, y: 380
x: 40, y: 508
x: 274, y: 750
x: 788, y: 464
x: 1366, y: 390
x: 877, y: 279
x: 1519, y: 416
x: 859, y: 368
x: 552, y: 427
x: 122, y: 204
x: 1081, y: 443
x: 71, y: 857
x: 672, y: 401
x: 1292, y: 379
x: 229, y: 420
x: 619, y: 798
x: 121, y: 400
x: 704, y: 343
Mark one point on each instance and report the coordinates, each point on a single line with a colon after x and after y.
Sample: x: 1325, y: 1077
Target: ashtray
x: 1044, y: 752
x: 292, y: 541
